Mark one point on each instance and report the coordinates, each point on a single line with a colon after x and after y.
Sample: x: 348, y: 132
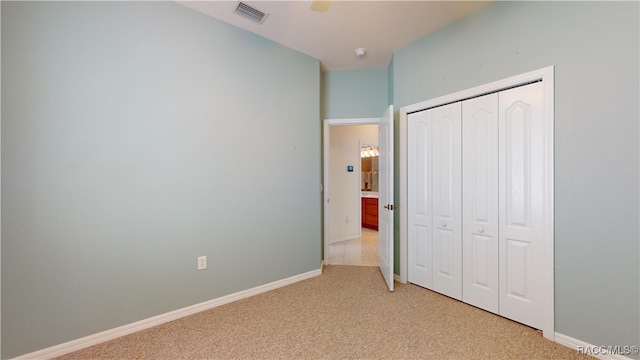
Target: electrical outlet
x: 202, y: 262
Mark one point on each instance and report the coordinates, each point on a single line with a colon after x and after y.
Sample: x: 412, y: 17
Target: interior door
x: 385, y: 196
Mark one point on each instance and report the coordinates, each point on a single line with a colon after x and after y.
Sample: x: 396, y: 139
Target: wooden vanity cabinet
x: 370, y: 213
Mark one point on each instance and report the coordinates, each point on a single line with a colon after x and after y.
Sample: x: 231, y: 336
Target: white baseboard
x: 599, y: 352
x: 87, y: 341
x: 396, y: 277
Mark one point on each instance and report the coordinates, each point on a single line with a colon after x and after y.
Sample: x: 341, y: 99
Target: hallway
x: 362, y: 251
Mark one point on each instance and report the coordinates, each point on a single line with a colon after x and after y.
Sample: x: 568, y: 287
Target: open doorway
x: 362, y: 251
x: 348, y: 239
x: 385, y: 189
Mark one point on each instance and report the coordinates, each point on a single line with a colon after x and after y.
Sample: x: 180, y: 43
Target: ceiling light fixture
x: 320, y: 5
x: 361, y: 52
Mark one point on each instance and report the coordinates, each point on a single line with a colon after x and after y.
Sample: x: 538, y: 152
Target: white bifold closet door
x: 476, y: 202
x: 419, y: 203
x: 447, y: 217
x: 434, y: 156
x: 522, y: 168
x: 480, y: 202
x: 503, y: 203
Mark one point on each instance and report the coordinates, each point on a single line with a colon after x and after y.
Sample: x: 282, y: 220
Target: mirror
x: 369, y: 167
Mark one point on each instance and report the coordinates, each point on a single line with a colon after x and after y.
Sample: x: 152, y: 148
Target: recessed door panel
x: 421, y: 257
x: 445, y: 252
x: 518, y: 259
x: 481, y: 263
x: 483, y: 127
x: 517, y: 130
x: 421, y: 135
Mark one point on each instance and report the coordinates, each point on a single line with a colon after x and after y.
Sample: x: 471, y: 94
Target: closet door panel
x: 420, y: 215
x: 480, y: 201
x: 447, y: 260
x: 521, y: 193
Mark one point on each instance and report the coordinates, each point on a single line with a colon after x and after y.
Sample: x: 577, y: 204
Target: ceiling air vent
x: 250, y: 12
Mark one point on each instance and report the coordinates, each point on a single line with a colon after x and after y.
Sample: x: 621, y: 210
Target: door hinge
x: 390, y: 207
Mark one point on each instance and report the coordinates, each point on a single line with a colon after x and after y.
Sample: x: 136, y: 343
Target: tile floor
x: 362, y: 251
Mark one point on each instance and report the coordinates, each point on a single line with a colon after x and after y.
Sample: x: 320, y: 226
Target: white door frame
x: 325, y: 178
x: 547, y: 76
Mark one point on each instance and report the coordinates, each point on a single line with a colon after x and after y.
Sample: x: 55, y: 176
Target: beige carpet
x: 346, y: 313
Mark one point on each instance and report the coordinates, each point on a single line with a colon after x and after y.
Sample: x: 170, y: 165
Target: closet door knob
x: 444, y: 224
x: 481, y: 230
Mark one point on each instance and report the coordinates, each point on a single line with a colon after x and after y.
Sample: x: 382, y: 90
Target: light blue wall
x: 355, y: 93
x: 594, y: 47
x: 135, y: 138
x: 131, y: 145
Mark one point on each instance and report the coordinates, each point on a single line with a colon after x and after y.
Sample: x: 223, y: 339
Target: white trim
x: 544, y: 74
x: 397, y: 278
x: 548, y: 81
x: 325, y: 177
x: 403, y: 200
x: 352, y: 121
x: 576, y: 344
x: 87, y: 341
x: 540, y: 74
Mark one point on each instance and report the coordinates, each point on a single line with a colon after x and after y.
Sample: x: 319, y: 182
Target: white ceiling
x: 382, y: 27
